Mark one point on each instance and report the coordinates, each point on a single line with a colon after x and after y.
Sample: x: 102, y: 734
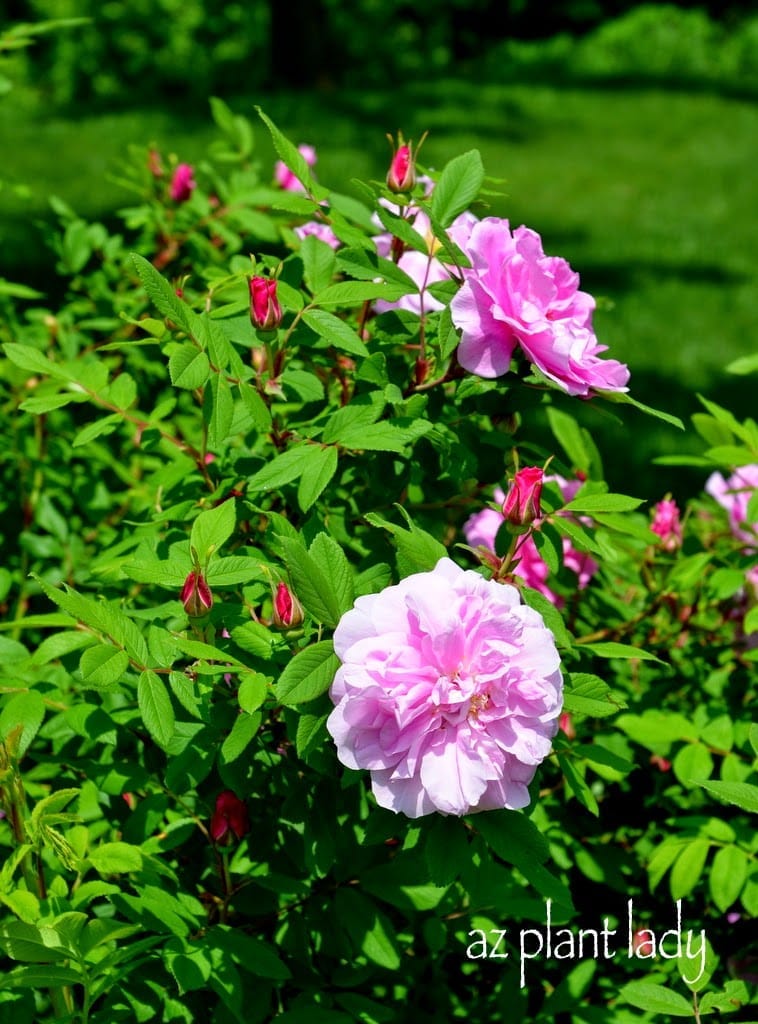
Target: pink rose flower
x: 424, y: 268
x: 522, y: 502
x: 285, y: 178
x: 667, y: 525
x: 265, y: 310
x: 321, y: 231
x: 449, y: 693
x: 516, y: 296
x: 734, y: 495
x: 481, y: 529
x: 183, y: 183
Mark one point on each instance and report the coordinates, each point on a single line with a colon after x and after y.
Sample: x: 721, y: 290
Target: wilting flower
x: 320, y: 230
x: 230, y: 818
x: 522, y: 502
x: 196, y: 595
x: 401, y: 176
x: 265, y: 311
x: 515, y: 296
x: 481, y: 528
x: 734, y: 495
x: 288, y: 612
x: 667, y: 525
x: 287, y: 179
x: 182, y: 183
x: 449, y: 693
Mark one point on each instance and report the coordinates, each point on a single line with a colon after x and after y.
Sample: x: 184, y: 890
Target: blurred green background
x: 628, y: 137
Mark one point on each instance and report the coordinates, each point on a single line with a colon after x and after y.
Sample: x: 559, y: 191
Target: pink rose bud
x: 566, y: 725
x: 265, y: 311
x: 154, y: 164
x: 288, y: 612
x: 642, y: 944
x: 230, y: 818
x: 401, y: 176
x: 667, y: 525
x: 522, y: 502
x: 661, y: 763
x: 182, y: 183
x: 196, y: 595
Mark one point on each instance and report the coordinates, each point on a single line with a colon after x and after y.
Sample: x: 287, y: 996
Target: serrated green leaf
x: 218, y: 411
x: 25, y: 711
x: 212, y: 529
x: 309, y: 674
x: 353, y: 293
x: 332, y: 564
x: 115, y: 858
x: 458, y: 185
x: 97, y: 429
x: 656, y: 999
x: 32, y: 360
x: 742, y: 794
x: 616, y: 650
x: 32, y: 944
x: 103, y: 665
x: 688, y: 868
x: 162, y: 294
x: 311, y: 730
x: 156, y: 708
x: 252, y: 692
x: 319, y: 260
x: 293, y: 159
x: 317, y: 473
x: 590, y: 695
x: 513, y: 836
x: 189, y: 367
x: 334, y: 330
x: 727, y: 876
x: 603, y: 503
x: 282, y: 469
x: 239, y: 739
x: 368, y: 927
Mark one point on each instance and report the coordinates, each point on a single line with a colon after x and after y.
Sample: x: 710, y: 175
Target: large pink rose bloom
x: 482, y: 527
x: 515, y: 295
x: 734, y: 495
x: 449, y: 693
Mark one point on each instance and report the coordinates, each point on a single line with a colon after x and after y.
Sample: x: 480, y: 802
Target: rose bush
x: 252, y: 681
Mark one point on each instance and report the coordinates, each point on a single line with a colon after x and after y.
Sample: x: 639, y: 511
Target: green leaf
x: 727, y: 877
x: 218, y: 411
x: 225, y: 572
x: 188, y: 367
x: 32, y: 944
x: 457, y: 186
x: 570, y: 437
x: 392, y: 436
x: 163, y: 295
x: 339, y: 334
x: 254, y: 638
x: 656, y: 999
x: 622, y: 398
x: 309, y: 674
x: 590, y: 695
x: 252, y: 692
x: 49, y: 976
x: 295, y: 160
x: 256, y: 408
x: 239, y: 739
x: 103, y: 665
x: 352, y: 293
x: 313, y: 587
x: 24, y: 710
x: 368, y: 927
x: 743, y: 365
x: 578, y: 785
x: 693, y: 763
x: 552, y: 617
x: 106, y: 426
x: 615, y: 650
x: 603, y: 503
x: 317, y: 473
x: 319, y: 260
x: 282, y: 469
x: 688, y: 868
x: 417, y: 550
x: 115, y: 858
x: 156, y: 708
x: 331, y: 562
x: 311, y: 733
x: 32, y: 360
x: 513, y: 836
x: 742, y: 794
x: 212, y: 529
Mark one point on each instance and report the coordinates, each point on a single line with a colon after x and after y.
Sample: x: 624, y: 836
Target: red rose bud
x: 196, y: 596
x: 265, y: 311
x: 522, y: 502
x: 401, y: 176
x: 229, y: 819
x: 288, y: 612
x: 566, y: 725
x: 182, y: 183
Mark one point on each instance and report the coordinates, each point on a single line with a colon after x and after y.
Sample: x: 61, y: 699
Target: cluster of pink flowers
x: 666, y: 523
x: 482, y: 527
x: 514, y: 296
x: 287, y: 179
x: 734, y: 495
x: 449, y: 693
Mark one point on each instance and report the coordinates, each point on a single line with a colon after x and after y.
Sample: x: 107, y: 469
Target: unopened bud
x: 401, y: 177
x: 522, y: 502
x: 230, y: 818
x: 182, y: 183
x: 288, y: 612
x: 667, y: 525
x: 196, y: 595
x: 265, y: 311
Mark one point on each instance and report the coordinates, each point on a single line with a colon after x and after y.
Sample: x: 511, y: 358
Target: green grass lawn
x: 650, y: 193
